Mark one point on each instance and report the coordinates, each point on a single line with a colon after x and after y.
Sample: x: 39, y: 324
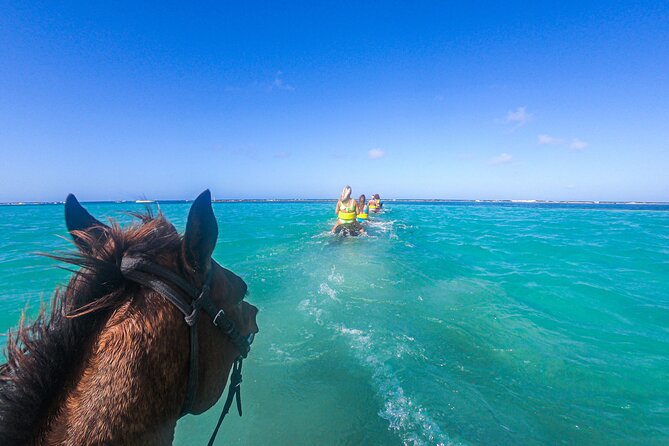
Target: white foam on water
x: 294, y: 352
x: 324, y: 234
x: 382, y: 226
x: 280, y: 354
x: 314, y: 306
x: 325, y: 289
x: 407, y: 346
x: 335, y: 277
x: 407, y: 418
x: 310, y: 306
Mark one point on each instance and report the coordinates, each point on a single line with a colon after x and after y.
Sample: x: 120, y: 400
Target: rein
x: 156, y: 277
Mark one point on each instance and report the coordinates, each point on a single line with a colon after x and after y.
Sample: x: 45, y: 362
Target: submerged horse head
x: 111, y: 363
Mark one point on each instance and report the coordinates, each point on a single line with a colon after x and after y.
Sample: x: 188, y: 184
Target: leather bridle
x: 159, y: 279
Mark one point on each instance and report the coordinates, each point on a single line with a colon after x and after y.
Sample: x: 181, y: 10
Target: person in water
x: 375, y: 204
x: 346, y: 213
x: 362, y: 209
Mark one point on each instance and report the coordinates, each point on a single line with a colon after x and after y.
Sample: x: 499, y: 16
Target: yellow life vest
x: 362, y: 216
x: 346, y: 216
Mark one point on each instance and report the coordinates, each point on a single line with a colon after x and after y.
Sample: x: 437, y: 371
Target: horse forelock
x: 43, y: 357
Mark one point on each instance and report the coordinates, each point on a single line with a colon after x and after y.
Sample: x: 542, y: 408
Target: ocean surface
x: 451, y: 323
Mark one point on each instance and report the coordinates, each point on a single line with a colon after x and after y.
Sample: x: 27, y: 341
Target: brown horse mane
x: 45, y: 357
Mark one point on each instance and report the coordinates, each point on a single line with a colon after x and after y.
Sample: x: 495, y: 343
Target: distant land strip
x: 331, y: 200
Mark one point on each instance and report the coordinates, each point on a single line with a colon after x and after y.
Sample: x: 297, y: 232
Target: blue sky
x: 520, y: 100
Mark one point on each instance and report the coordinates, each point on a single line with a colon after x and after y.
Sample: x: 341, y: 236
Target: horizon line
x: 322, y: 200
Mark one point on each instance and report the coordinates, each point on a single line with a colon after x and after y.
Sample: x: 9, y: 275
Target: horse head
x: 216, y: 352
x: 147, y: 330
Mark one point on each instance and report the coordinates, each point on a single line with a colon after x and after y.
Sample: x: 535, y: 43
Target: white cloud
x: 376, y: 154
x: 279, y: 84
x: 519, y: 117
x: 547, y: 139
x: 577, y: 144
x: 502, y: 158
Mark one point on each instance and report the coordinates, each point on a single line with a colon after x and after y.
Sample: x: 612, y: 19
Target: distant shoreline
x: 330, y: 200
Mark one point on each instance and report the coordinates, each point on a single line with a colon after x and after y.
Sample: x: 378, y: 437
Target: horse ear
x: 78, y: 219
x: 201, y: 233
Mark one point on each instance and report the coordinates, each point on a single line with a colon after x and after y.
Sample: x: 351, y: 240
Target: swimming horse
x: 146, y: 331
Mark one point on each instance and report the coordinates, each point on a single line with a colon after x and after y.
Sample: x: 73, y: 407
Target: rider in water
x: 346, y: 213
x: 362, y: 209
x: 375, y: 204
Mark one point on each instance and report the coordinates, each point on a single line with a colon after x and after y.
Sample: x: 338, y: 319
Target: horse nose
x: 253, y: 312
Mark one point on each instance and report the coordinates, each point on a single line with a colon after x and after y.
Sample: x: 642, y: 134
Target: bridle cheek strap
x: 153, y: 276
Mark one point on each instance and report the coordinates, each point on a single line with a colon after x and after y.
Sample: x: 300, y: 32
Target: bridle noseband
x: 156, y: 277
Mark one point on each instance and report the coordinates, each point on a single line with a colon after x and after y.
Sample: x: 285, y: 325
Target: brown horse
x: 111, y: 363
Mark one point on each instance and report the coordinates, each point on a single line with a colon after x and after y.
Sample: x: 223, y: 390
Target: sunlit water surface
x: 450, y: 323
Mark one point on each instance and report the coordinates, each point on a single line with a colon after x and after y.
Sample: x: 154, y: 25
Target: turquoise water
x: 451, y: 323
